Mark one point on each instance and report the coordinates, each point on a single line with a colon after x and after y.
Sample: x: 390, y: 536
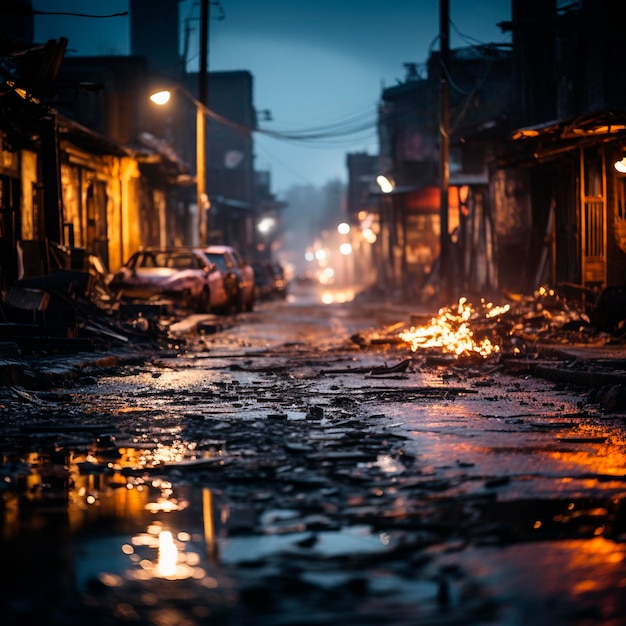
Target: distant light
x: 326, y: 276
x: 620, y: 165
x: 161, y: 97
x: 320, y: 254
x: 345, y: 249
x: 386, y: 184
x: 369, y: 235
x: 266, y: 224
x: 343, y: 228
x: 309, y: 256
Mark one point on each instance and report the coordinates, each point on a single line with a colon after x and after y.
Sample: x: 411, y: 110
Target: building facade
x: 410, y: 122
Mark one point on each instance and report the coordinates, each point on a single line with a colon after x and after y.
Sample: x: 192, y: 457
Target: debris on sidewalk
x: 400, y: 367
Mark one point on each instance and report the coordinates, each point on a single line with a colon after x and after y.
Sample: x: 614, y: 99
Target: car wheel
x: 238, y: 301
x: 250, y: 302
x: 203, y: 304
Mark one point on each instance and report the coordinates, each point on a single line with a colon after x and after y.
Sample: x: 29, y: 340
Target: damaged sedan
x: 183, y: 276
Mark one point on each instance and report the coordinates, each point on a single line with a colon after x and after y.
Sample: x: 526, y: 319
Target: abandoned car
x: 186, y: 277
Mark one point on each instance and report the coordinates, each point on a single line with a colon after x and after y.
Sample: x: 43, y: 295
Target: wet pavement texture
x: 280, y: 473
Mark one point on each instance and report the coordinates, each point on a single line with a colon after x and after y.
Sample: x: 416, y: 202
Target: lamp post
x: 163, y: 97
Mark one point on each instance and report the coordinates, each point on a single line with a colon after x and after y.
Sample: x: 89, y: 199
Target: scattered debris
x: 374, y: 370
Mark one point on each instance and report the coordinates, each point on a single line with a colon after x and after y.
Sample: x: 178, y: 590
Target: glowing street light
x: 343, y: 228
x: 369, y: 235
x: 385, y: 183
x: 620, y: 165
x: 161, y: 97
x: 266, y: 225
x: 202, y: 199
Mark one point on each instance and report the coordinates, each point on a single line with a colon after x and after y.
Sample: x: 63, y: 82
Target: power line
x: 302, y: 135
x: 122, y: 14
x: 288, y: 168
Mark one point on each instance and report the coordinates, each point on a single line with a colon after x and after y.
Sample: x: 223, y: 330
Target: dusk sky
x: 315, y: 63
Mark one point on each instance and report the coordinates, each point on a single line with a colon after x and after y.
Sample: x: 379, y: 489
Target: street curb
x: 48, y: 373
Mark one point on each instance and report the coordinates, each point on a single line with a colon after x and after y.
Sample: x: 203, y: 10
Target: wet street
x: 282, y: 471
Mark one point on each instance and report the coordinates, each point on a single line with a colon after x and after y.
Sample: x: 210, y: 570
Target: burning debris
x: 514, y: 328
x: 451, y: 330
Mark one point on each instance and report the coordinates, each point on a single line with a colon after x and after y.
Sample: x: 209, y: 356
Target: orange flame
x: 451, y: 331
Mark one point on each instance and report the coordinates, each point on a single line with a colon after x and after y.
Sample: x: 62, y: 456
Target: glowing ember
x: 451, y: 331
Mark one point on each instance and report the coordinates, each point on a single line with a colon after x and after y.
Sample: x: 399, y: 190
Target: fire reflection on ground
x: 584, y: 579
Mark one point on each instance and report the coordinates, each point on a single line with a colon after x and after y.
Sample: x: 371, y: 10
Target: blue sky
x: 314, y: 62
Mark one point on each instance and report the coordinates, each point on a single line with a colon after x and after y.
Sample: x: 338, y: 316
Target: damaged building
x: 534, y: 195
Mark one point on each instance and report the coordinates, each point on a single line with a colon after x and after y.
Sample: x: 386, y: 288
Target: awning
x: 88, y: 139
x: 544, y: 142
x: 596, y: 124
x: 230, y: 203
x: 424, y: 200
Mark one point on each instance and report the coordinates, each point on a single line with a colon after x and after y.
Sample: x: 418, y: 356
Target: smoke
x: 310, y: 213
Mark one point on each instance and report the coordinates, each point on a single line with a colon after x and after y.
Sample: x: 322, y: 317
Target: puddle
x: 550, y: 583
x: 324, y: 544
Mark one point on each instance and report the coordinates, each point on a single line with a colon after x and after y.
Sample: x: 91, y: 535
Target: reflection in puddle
x: 324, y: 544
x: 122, y: 516
x: 168, y: 541
x: 159, y: 553
x: 168, y: 555
x: 161, y: 454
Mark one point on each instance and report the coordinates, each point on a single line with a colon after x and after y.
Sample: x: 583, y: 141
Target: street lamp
x: 386, y: 183
x: 202, y: 200
x: 266, y: 225
x: 620, y: 165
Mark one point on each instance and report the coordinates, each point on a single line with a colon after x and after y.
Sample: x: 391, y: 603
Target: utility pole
x: 203, y: 75
x: 203, y: 98
x: 444, y: 151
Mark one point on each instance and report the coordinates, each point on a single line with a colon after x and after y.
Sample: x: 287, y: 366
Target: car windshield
x: 218, y: 259
x: 165, y: 259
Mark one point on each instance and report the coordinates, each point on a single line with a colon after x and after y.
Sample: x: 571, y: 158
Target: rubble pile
x: 69, y: 311
x: 512, y: 328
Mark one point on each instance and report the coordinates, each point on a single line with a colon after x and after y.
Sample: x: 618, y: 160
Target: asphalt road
x: 298, y: 467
